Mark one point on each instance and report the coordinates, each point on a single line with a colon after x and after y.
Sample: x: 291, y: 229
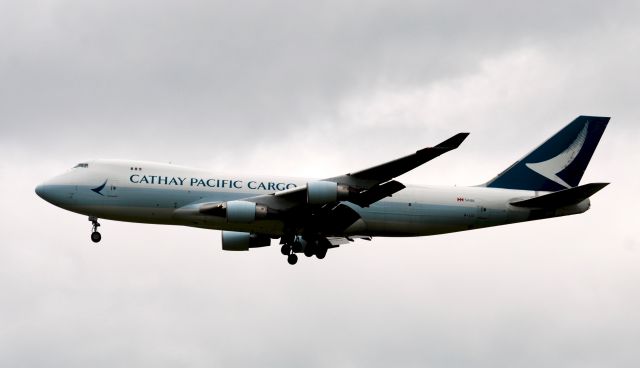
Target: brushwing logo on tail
x: 553, y: 166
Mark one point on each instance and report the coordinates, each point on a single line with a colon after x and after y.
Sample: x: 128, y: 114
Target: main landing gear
x: 287, y: 250
x: 298, y: 244
x: 95, y: 235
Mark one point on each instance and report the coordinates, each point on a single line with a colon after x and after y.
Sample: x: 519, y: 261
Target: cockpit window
x: 83, y: 165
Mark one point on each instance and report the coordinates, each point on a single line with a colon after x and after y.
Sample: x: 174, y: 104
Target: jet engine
x: 243, y: 211
x: 323, y: 192
x: 238, y: 241
x: 236, y: 211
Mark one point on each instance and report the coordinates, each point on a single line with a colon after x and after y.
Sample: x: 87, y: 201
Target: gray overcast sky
x: 289, y: 88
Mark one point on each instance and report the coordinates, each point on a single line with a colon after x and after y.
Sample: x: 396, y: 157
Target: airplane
x: 312, y: 216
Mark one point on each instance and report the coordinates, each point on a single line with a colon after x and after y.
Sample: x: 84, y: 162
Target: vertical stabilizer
x: 558, y: 163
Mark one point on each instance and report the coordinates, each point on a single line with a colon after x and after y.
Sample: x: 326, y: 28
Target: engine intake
x: 323, y: 192
x: 239, y: 241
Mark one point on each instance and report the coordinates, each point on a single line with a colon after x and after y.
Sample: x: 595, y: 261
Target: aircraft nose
x: 41, y: 191
x: 59, y: 191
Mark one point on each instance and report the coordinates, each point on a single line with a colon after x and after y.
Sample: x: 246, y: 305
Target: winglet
x: 453, y: 142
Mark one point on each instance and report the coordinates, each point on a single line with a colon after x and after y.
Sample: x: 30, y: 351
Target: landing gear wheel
x: 285, y: 250
x: 308, y: 251
x: 297, y: 246
x: 321, y: 253
x: 292, y: 259
x: 95, y: 237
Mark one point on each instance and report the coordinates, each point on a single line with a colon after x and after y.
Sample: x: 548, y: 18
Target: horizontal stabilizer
x: 562, y: 198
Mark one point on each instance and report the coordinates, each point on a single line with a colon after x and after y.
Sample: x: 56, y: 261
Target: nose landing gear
x: 95, y: 235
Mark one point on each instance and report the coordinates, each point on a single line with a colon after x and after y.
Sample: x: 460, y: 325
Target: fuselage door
x: 482, y: 213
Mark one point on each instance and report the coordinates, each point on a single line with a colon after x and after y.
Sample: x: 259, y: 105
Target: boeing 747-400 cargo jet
x: 312, y: 216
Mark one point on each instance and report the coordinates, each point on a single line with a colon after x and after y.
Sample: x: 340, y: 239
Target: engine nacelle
x: 236, y: 211
x: 238, y: 241
x: 245, y: 212
x: 322, y: 192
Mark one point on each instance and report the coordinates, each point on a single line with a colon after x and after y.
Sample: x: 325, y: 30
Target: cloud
x: 291, y: 88
x: 86, y: 71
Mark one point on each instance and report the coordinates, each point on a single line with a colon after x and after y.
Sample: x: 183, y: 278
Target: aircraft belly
x: 416, y: 219
x: 267, y: 227
x: 129, y: 214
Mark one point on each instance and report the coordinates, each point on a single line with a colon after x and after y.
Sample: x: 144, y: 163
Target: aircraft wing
x: 336, y: 241
x: 372, y: 176
x: 363, y: 188
x: 363, y: 198
x: 375, y: 183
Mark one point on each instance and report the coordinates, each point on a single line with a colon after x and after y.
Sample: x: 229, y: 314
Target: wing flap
x: 337, y: 241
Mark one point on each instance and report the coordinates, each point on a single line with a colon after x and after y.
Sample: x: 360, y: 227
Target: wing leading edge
x: 375, y: 183
x: 367, y: 178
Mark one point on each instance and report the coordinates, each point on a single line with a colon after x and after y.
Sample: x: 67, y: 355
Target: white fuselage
x: 155, y: 193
